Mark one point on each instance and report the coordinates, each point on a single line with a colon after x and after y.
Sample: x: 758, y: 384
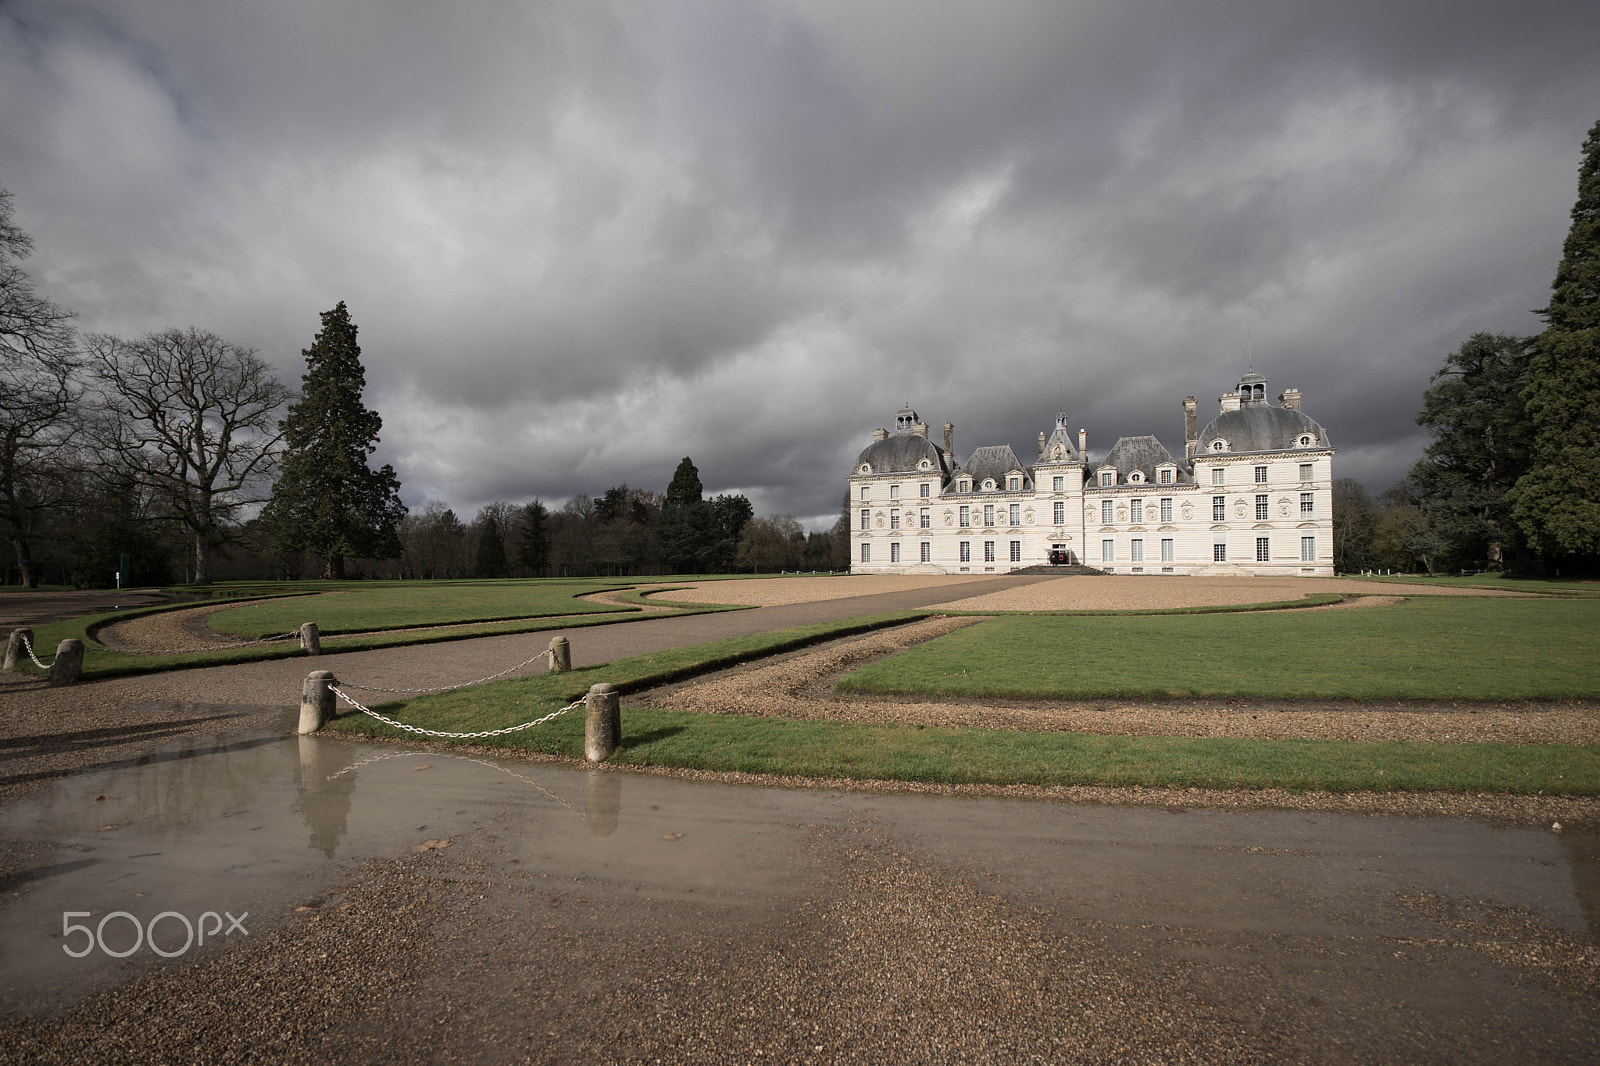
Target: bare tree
x: 193, y: 419
x: 38, y: 397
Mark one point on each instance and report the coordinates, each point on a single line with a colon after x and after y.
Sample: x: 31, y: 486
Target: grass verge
x: 1441, y: 648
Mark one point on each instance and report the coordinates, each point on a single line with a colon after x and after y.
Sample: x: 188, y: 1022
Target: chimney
x: 950, y: 440
x: 1229, y: 401
x: 1191, y: 436
x: 1289, y: 399
x: 880, y: 434
x: 1083, y: 445
x: 1041, y: 442
x: 920, y: 428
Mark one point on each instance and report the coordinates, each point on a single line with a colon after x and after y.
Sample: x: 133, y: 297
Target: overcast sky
x: 582, y: 240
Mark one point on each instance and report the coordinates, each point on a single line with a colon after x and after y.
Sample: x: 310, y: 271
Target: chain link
x: 465, y: 736
x: 452, y: 688
x: 249, y: 643
x: 26, y: 643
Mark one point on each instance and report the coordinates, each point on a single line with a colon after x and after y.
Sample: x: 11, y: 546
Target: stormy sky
x: 584, y: 239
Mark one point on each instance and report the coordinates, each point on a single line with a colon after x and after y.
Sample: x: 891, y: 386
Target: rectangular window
x: 1136, y: 551
x: 988, y: 551
x: 894, y: 552
x: 964, y: 486
x: 1166, y: 477
x: 1261, y: 506
x: 1166, y: 508
x: 1108, y: 551
x: 926, y: 489
x: 1105, y: 512
x: 1219, y: 475
x: 866, y: 518
x: 1058, y: 484
x: 1308, y: 549
x: 1261, y: 475
x: 925, y: 520
x: 1136, y: 510
x: 894, y: 492
x: 1059, y: 513
x: 1016, y: 514
x: 1016, y: 551
x: 1219, y: 553
x: 1166, y: 549
x: 894, y: 518
x: 927, y: 551
x: 866, y: 553
x: 1219, y: 508
x: 1263, y: 554
x: 1108, y: 479
x: 966, y: 551
x: 1305, y: 471
x: 988, y: 516
x: 866, y: 492
x: 1306, y: 506
x: 966, y: 517
x: 1013, y: 484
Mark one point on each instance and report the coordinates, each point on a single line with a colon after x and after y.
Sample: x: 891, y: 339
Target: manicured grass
x: 100, y: 661
x: 915, y: 753
x: 1426, y: 648
x: 419, y: 603
x: 1316, y: 599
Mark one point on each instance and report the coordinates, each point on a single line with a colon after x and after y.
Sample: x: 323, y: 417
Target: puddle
x: 260, y: 823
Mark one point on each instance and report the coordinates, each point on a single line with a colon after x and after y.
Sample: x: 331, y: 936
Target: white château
x: 1252, y: 494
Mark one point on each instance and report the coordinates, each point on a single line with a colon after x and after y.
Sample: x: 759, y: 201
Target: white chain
x: 452, y: 688
x: 248, y: 643
x: 465, y: 736
x: 26, y: 643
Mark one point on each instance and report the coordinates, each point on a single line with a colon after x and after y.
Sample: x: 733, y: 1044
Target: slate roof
x: 996, y: 461
x: 901, y: 453
x: 1259, y: 427
x: 1143, y: 454
x: 1062, y: 437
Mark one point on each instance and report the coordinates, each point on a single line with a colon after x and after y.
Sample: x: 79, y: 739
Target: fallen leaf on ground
x: 424, y: 766
x: 430, y: 845
x: 672, y: 836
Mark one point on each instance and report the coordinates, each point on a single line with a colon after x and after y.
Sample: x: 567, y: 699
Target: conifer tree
x: 533, y: 548
x: 1557, y: 502
x: 491, y: 561
x: 687, y: 532
x: 328, y: 502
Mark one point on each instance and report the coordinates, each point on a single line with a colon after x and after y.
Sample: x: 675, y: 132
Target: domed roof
x: 1258, y: 427
x: 901, y: 453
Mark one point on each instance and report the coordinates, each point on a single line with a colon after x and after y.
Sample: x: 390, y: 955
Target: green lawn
x: 1427, y: 648
x: 915, y: 753
x: 417, y: 603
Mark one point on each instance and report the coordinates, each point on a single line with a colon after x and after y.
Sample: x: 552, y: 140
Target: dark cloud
x: 583, y: 239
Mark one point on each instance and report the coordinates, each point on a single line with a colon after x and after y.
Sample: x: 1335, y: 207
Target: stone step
x: 1073, y: 570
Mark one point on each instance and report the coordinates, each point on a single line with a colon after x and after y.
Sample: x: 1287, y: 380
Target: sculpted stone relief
x: 1187, y: 510
x: 1238, y: 508
x: 1027, y: 516
x: 949, y: 517
x: 1283, y: 508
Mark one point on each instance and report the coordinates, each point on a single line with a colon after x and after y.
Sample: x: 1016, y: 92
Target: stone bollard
x: 310, y: 639
x: 15, y: 650
x: 560, y: 655
x: 316, y: 701
x: 69, y: 662
x: 602, y: 723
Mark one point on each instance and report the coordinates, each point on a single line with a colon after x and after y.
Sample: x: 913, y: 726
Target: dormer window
x: 926, y: 464
x: 1136, y: 478
x: 1013, y: 484
x: 1165, y: 475
x: 1219, y: 445
x: 1305, y: 440
x: 963, y: 485
x: 1108, y: 479
x: 866, y: 468
x: 988, y: 484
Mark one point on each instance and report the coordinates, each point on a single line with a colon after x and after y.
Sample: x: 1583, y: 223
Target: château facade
x: 1252, y: 494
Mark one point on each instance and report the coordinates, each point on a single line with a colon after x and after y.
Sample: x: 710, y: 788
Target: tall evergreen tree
x: 533, y: 547
x: 491, y: 560
x: 1474, y: 408
x: 1557, y: 502
x: 687, y: 532
x: 328, y: 502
